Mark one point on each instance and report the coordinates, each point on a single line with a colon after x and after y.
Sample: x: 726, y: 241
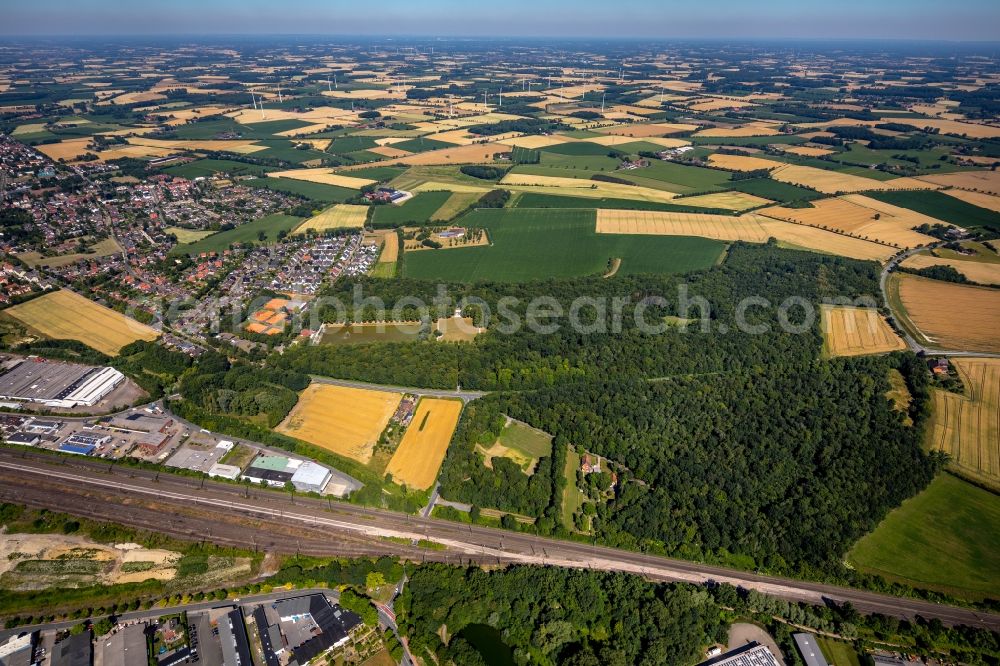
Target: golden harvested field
x: 421, y: 452
x: 390, y: 248
x: 475, y: 154
x: 67, y: 150
x: 952, y: 316
x: 647, y: 129
x: 136, y: 97
x: 727, y: 200
x: 717, y: 103
x: 660, y: 223
x: 346, y: 421
x: 389, y: 151
x: 532, y: 141
x: 241, y: 146
x: 323, y: 175
x: 583, y: 188
x: 750, y: 129
x: 851, y: 331
x: 741, y: 162
x: 807, y: 151
x: 617, y: 140
x: 819, y: 240
x: 855, y: 215
x: 375, y: 93
x: 968, y: 426
x: 983, y: 272
x: 984, y: 181
x: 832, y: 182
x: 67, y: 315
x: 987, y: 201
x: 337, y: 216
x: 973, y: 130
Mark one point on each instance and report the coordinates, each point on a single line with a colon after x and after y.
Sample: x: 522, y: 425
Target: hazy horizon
x: 907, y: 20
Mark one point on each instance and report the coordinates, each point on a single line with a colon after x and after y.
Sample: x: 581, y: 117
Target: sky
x: 961, y: 20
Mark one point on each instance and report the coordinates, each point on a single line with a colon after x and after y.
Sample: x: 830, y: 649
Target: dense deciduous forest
x: 548, y: 616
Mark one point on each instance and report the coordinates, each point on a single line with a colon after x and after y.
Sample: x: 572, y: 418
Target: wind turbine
x: 280, y: 100
x: 603, y: 95
x: 485, y: 105
x: 501, y: 99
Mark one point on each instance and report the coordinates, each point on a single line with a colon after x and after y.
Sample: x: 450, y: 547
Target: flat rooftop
x: 43, y: 380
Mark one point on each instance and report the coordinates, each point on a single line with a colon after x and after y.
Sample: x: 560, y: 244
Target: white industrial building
x: 57, y: 385
x: 311, y: 478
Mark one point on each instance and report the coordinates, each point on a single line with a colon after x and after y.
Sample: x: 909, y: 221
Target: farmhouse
x: 58, y: 385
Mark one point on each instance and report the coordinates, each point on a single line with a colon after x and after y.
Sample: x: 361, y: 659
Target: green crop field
x: 529, y: 441
x: 677, y: 177
x: 271, y: 225
x: 774, y: 190
x: 207, y: 167
x: 315, y: 191
x: 577, y: 148
x: 536, y: 244
x: 350, y: 144
x: 281, y: 149
x: 420, y: 145
x: 538, y: 200
x: 942, y: 207
x: 946, y: 538
x: 207, y: 129
x: 415, y: 211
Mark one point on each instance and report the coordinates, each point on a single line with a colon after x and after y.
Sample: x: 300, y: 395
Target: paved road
x: 462, y: 542
x: 465, y: 395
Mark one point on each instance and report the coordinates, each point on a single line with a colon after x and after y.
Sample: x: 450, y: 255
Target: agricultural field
x: 735, y: 201
x: 536, y: 244
x: 323, y: 176
x: 65, y: 315
x: 967, y: 427
x: 579, y: 187
x: 455, y: 204
x: 774, y: 190
x: 573, y: 497
x: 852, y: 331
x: 209, y: 167
x: 741, y: 162
x: 270, y: 226
x: 948, y: 315
x: 980, y: 272
x: 346, y: 421
x: 520, y: 443
x: 980, y: 199
x: 752, y: 228
x: 837, y: 182
x: 416, y: 462
x: 946, y: 538
x: 655, y: 223
x: 417, y: 210
x: 860, y: 217
x: 940, y: 206
x: 338, y: 216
